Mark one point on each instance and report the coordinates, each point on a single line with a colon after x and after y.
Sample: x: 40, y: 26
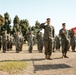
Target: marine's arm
x: 42, y: 25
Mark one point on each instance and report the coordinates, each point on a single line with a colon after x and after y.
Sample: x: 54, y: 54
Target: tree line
x: 19, y: 25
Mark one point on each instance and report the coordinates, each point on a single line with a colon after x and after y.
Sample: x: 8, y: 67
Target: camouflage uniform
x: 17, y: 42
x: 40, y: 41
x: 48, y: 39
x: 72, y: 40
x: 64, y: 41
x: 4, y: 41
x: 11, y: 42
x: 54, y: 45
x: 30, y: 42
x: 8, y: 42
x: 34, y: 40
x: 68, y: 46
x: 21, y: 41
x: 57, y: 40
x: 0, y: 42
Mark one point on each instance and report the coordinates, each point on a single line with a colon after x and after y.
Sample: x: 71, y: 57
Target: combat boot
x: 66, y: 56
x: 17, y: 51
x: 48, y: 57
x: 45, y: 56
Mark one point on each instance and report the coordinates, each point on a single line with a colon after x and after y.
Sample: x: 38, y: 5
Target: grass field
x: 13, y: 66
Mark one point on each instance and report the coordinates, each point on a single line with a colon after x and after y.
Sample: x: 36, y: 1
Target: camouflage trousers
x: 18, y: 47
x: 11, y: 44
x: 48, y: 46
x: 64, y: 44
x: 72, y: 42
x: 8, y: 45
x: 0, y: 44
x: 73, y: 47
x: 40, y: 46
x: 4, y: 46
x: 30, y: 48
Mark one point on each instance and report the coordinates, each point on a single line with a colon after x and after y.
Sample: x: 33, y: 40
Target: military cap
x: 63, y: 24
x: 48, y: 18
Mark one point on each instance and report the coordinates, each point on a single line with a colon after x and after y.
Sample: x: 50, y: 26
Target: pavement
x: 38, y: 65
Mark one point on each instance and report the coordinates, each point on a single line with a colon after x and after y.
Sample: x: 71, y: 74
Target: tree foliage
x: 16, y: 20
x: 7, y: 23
x: 1, y: 22
x: 37, y: 27
x: 16, y: 24
x: 6, y: 15
x: 25, y: 27
x: 22, y: 25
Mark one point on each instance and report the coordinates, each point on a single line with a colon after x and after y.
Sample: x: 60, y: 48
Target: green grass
x: 13, y: 66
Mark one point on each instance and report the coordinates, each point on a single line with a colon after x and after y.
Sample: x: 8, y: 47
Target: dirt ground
x: 38, y: 64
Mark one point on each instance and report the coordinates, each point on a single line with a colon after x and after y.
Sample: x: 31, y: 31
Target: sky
x: 60, y: 11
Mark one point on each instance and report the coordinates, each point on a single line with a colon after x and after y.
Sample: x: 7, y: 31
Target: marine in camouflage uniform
x: 40, y: 41
x: 48, y: 38
x: 17, y: 42
x: 11, y: 42
x: 64, y: 41
x: 72, y: 40
x: 0, y: 42
x: 54, y: 45
x: 68, y: 47
x: 8, y: 42
x: 4, y: 41
x: 21, y: 41
x: 30, y: 42
x: 34, y: 39
x: 57, y: 41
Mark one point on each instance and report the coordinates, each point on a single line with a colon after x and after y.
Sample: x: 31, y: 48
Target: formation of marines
x: 7, y: 41
x: 62, y: 41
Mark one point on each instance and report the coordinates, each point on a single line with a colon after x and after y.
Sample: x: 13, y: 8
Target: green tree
x: 25, y: 27
x: 33, y: 29
x: 7, y: 22
x: 16, y: 26
x: 37, y: 27
x: 1, y: 23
